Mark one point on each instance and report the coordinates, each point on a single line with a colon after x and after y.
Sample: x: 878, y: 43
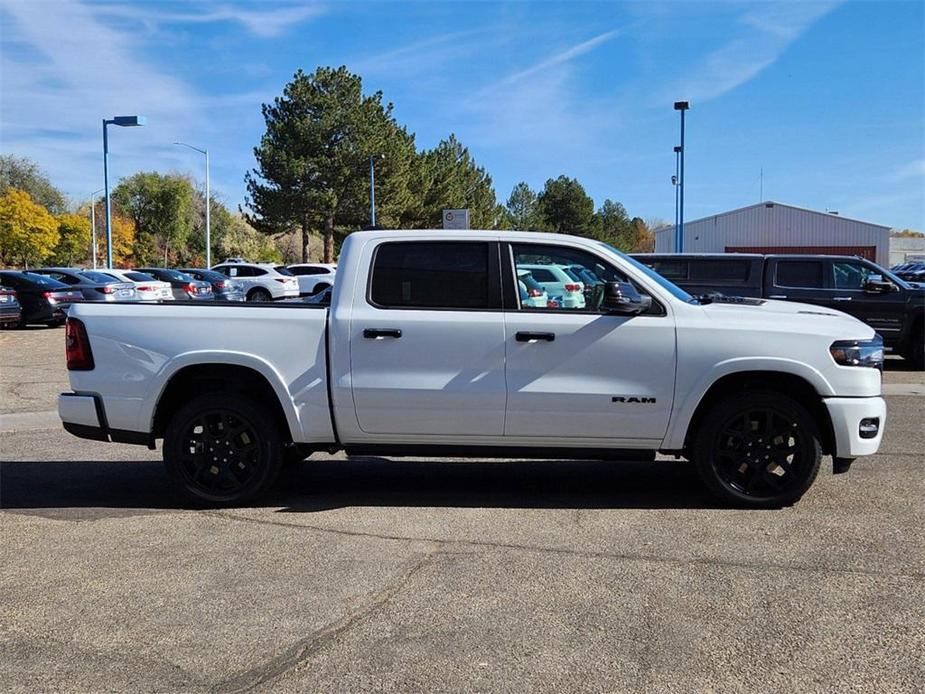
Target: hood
x: 789, y: 317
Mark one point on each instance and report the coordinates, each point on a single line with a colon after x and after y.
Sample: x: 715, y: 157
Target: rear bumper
x: 84, y: 416
x: 847, y: 415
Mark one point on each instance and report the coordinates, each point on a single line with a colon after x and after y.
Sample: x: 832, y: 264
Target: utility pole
x: 93, y: 224
x: 681, y: 106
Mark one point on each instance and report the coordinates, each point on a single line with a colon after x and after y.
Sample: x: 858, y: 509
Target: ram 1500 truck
x: 429, y: 349
x: 887, y: 303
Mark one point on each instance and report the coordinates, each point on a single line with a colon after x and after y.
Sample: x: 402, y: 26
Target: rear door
x: 798, y: 279
x: 427, y: 342
x: 585, y: 373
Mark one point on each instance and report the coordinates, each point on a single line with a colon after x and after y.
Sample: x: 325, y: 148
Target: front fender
x: 684, y: 407
x: 160, y: 380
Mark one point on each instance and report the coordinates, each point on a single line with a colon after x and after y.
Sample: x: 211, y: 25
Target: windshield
x: 98, y: 277
x: 175, y: 276
x: 138, y: 276
x: 675, y: 290
x: 43, y: 280
x: 207, y: 275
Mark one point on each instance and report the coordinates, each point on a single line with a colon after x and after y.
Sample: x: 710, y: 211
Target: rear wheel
x: 220, y: 450
x: 259, y: 295
x: 758, y: 450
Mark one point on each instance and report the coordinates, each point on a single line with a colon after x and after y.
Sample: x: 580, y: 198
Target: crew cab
x: 890, y: 305
x: 428, y: 349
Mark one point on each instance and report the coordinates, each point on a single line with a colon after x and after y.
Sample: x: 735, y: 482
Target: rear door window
x: 799, y: 273
x: 670, y: 269
x: 719, y: 270
x: 444, y: 275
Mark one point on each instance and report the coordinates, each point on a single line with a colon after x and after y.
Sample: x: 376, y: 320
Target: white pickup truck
x: 427, y: 349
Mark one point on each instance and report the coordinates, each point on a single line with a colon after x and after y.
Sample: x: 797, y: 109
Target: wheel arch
x: 237, y: 376
x: 792, y: 385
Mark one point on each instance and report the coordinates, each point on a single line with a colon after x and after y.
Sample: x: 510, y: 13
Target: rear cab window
x: 434, y: 275
x: 804, y: 274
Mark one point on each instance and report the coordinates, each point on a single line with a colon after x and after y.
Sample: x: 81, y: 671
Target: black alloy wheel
x: 221, y: 450
x: 758, y: 450
x: 259, y: 295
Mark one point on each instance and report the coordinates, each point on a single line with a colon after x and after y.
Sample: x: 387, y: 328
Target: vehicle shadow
x: 898, y: 364
x: 322, y: 485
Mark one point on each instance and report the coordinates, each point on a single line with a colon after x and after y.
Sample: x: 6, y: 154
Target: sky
x: 815, y: 104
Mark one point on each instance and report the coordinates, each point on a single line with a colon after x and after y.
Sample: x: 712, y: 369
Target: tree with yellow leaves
x: 74, y: 245
x: 123, y: 241
x: 28, y: 233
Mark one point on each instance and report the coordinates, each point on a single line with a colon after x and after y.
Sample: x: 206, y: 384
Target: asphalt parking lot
x: 447, y: 575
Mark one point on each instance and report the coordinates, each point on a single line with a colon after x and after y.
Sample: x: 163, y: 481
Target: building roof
x: 772, y: 203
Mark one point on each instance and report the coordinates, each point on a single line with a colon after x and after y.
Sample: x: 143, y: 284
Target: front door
x: 585, y: 373
x: 882, y: 312
x: 427, y: 344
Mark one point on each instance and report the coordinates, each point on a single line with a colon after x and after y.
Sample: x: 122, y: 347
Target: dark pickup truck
x: 888, y: 304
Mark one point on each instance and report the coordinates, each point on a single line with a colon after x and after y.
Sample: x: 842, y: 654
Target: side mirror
x: 875, y: 284
x: 622, y: 298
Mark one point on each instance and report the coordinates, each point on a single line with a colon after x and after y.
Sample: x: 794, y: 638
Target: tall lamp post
x: 208, y: 204
x: 93, y: 224
x: 681, y: 106
x: 675, y: 181
x: 122, y: 122
x: 372, y: 188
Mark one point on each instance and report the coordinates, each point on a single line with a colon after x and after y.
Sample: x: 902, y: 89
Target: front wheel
x: 221, y: 450
x: 758, y: 450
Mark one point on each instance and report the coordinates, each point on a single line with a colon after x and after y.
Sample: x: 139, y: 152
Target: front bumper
x: 847, y: 415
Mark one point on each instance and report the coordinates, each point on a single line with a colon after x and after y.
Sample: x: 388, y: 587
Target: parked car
x: 10, y: 309
x: 261, y: 282
x: 887, y: 303
x: 559, y: 283
x: 425, y: 351
x: 313, y: 277
x: 223, y: 288
x: 911, y: 272
x: 92, y: 284
x: 43, y: 300
x: 147, y: 288
x: 184, y: 287
x: 532, y: 294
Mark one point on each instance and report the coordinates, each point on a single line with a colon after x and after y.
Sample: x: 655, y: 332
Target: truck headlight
x: 859, y: 352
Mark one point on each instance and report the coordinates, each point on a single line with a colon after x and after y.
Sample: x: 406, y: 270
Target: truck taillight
x: 573, y: 287
x: 77, y: 346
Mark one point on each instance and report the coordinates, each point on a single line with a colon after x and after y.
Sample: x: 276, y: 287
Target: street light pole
x: 208, y: 204
x: 93, y: 224
x: 124, y: 122
x: 681, y: 106
x: 675, y: 180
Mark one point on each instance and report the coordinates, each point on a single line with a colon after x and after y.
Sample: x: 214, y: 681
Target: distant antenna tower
x: 761, y: 185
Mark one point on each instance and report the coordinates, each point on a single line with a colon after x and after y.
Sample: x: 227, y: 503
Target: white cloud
x: 263, y: 23
x: 769, y: 29
x: 562, y: 57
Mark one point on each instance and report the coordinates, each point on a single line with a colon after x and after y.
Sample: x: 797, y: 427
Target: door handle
x: 533, y: 337
x: 841, y: 298
x: 777, y: 296
x: 376, y: 333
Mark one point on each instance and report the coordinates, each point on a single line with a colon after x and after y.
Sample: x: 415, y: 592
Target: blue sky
x: 827, y: 98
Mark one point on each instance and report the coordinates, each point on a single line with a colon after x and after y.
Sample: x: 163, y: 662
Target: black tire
x: 259, y: 295
x: 758, y: 450
x: 245, y: 446
x: 915, y: 352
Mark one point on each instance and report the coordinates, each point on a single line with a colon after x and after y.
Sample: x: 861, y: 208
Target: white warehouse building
x: 772, y: 227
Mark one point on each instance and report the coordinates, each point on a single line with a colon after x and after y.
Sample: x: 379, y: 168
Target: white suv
x: 313, y: 277
x: 261, y: 282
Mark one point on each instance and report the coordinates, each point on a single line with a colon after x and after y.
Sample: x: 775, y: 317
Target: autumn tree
x: 566, y: 208
x: 313, y: 159
x: 124, y: 242
x: 28, y: 232
x: 74, y: 243
x: 161, y: 207
x: 25, y: 175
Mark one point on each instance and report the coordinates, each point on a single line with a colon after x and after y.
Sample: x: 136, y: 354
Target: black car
x: 43, y: 299
x: 10, y: 310
x: 223, y: 288
x: 856, y: 286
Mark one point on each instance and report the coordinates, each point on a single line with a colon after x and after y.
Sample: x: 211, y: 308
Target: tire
x: 915, y: 352
x: 245, y: 443
x: 259, y: 295
x: 758, y: 450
